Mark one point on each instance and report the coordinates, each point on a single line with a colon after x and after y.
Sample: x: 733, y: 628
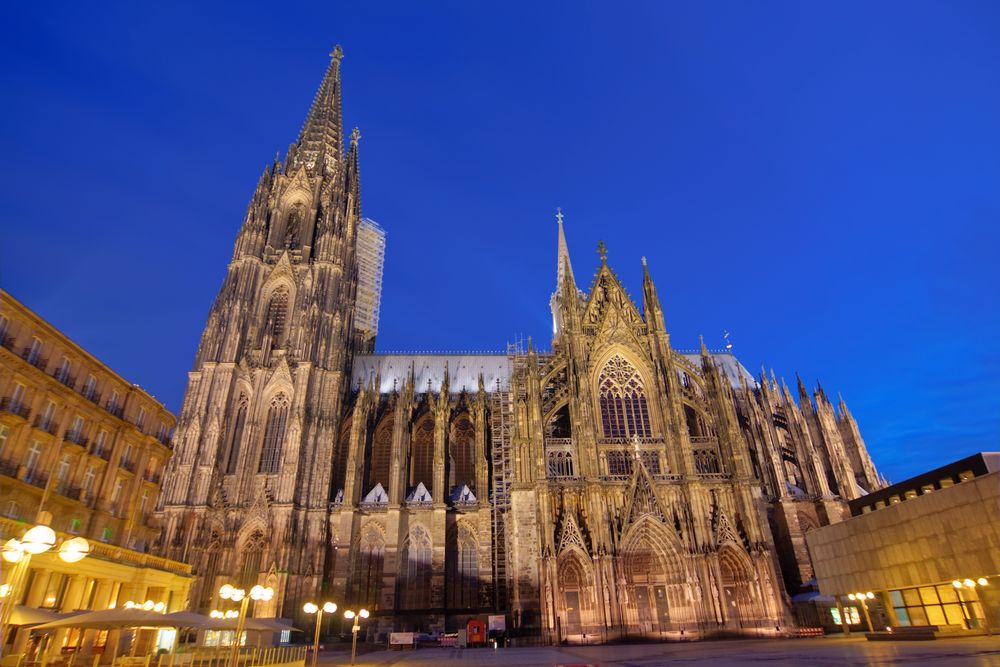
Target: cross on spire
x: 602, y: 250
x: 559, y: 215
x: 337, y: 52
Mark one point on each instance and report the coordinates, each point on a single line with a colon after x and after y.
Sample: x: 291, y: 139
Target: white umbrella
x: 110, y: 619
x: 21, y: 615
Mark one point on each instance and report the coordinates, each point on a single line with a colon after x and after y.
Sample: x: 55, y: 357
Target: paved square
x: 820, y: 652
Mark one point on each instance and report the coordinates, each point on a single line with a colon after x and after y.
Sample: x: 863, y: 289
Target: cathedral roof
x: 464, y: 370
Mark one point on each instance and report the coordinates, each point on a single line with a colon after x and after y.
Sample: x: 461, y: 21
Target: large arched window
x: 274, y: 435
x: 368, y: 576
x: 213, y: 558
x: 624, y: 412
x: 463, y: 569
x: 277, y: 315
x: 463, y: 453
x: 236, y: 438
x: 422, y: 458
x: 340, y: 460
x: 293, y: 227
x: 252, y: 551
x: 415, y: 582
x: 378, y: 471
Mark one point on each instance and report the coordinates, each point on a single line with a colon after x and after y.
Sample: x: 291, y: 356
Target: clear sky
x: 820, y: 179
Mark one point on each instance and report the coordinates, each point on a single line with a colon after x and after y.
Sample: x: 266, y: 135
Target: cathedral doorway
x: 577, y: 593
x: 736, y: 581
x: 652, y: 569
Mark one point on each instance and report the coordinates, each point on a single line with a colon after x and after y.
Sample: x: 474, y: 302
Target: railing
x: 373, y: 507
x: 558, y: 443
x: 18, y: 408
x: 668, y: 477
x: 127, y: 464
x: 704, y: 440
x: 116, y: 410
x: 69, y: 491
x: 66, y: 379
x: 77, y: 438
x: 7, y: 342
x: 34, y: 357
x: 9, y: 468
x: 616, y: 478
x: 715, y: 476
x: 102, y: 451
x: 629, y: 441
x: 36, y: 478
x: 153, y: 477
x: 47, y: 424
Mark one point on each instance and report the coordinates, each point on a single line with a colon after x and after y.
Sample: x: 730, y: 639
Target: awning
x: 22, y: 615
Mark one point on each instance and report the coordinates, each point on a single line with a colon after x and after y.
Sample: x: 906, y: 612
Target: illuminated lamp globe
x: 227, y: 591
x: 329, y: 607
x: 981, y: 581
x: 956, y: 583
x: 969, y: 583
x: 310, y: 608
x: 12, y: 551
x: 851, y: 596
x: 870, y: 595
x: 74, y: 550
x: 38, y: 540
x: 363, y: 613
x: 348, y: 614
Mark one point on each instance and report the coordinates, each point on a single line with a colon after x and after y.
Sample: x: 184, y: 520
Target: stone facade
x: 611, y: 486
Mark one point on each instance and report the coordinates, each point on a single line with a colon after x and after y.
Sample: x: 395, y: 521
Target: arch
x: 463, y: 452
x: 575, y: 577
x: 368, y: 565
x: 294, y: 221
x: 422, y: 452
x: 340, y: 472
x: 251, y: 549
x: 381, y: 453
x: 654, y: 575
x: 236, y: 434
x: 276, y: 315
x: 416, y: 562
x: 212, y: 562
x: 621, y: 392
x: 274, y: 435
x: 462, y: 567
x: 558, y: 423
x: 736, y: 579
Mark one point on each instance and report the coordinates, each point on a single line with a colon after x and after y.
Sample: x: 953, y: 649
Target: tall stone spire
x: 564, y: 276
x: 321, y: 141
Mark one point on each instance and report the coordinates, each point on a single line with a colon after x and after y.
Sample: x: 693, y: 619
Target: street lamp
x: 36, y: 540
x: 310, y: 608
x: 969, y: 583
x: 863, y: 599
x: 349, y: 614
x: 257, y: 593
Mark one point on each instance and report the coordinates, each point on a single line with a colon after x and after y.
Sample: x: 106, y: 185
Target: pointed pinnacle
x: 337, y: 53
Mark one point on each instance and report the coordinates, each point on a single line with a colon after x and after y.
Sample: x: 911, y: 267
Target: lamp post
x: 36, y: 540
x: 230, y: 592
x: 310, y: 608
x: 349, y: 614
x: 863, y: 599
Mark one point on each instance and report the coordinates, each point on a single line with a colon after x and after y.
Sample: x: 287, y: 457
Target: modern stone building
x: 611, y: 486
x: 927, y: 547
x: 83, y: 444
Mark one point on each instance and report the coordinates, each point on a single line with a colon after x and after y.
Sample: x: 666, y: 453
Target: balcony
x: 69, y: 491
x: 102, y: 451
x: 65, y: 378
x: 127, y: 464
x: 77, y: 438
x: 34, y: 357
x: 116, y: 410
x: 7, y: 342
x: 629, y: 441
x: 151, y: 476
x: 91, y: 395
x: 36, y: 478
x: 47, y: 424
x: 8, y: 468
x: 18, y: 407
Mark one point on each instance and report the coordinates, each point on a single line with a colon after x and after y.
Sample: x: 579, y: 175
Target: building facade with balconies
x: 76, y: 439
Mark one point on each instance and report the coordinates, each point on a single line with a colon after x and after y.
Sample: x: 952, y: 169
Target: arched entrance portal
x: 655, y: 598
x: 737, y: 588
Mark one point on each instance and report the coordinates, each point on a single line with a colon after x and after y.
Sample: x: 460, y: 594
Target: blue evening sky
x: 820, y: 179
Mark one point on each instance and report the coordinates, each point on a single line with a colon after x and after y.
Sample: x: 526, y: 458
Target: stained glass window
x: 624, y: 412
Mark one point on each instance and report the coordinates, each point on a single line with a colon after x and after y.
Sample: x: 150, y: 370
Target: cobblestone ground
x: 820, y: 652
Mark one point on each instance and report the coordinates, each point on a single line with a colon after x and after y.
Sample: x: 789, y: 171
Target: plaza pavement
x: 818, y: 652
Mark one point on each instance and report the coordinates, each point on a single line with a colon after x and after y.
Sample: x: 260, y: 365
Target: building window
x: 560, y: 464
x: 116, y: 496
x: 62, y: 473
x: 12, y: 510
x: 937, y: 605
x: 113, y: 402
x: 126, y: 461
x: 368, y: 577
x: 62, y: 373
x: 274, y: 435
x: 45, y: 422
x: 4, y: 435
x: 619, y: 463
x: 463, y: 569
x: 706, y: 461
x: 381, y: 455
x: 415, y: 583
x: 88, y: 483
x: 35, y: 351
x: 253, y: 558
x: 34, y: 453
x: 277, y: 313
x: 100, y: 443
x: 76, y: 430
x: 106, y: 534
x: 463, y: 452
x: 850, y: 613
x: 90, y: 387
x: 140, y: 420
x: 237, y: 436
x: 624, y: 412
x: 17, y: 397
x: 422, y: 454
x: 651, y: 460
x: 4, y: 324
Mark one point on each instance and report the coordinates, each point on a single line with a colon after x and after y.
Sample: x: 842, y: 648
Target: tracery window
x: 292, y: 227
x: 415, y: 583
x: 253, y: 558
x: 378, y: 472
x: 236, y: 439
x: 274, y: 435
x: 422, y: 462
x: 368, y: 577
x: 619, y: 462
x: 212, y: 557
x: 560, y: 464
x: 277, y: 314
x: 651, y: 460
x: 624, y: 412
x: 706, y: 461
x: 463, y: 570
x: 463, y: 452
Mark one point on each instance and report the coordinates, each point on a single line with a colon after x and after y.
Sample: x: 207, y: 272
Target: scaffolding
x: 371, y: 260
x: 501, y: 422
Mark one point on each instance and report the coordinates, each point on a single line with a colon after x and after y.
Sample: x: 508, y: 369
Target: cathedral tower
x: 247, y: 492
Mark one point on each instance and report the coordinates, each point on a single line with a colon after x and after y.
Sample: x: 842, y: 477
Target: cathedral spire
x: 564, y: 269
x: 322, y: 138
x: 651, y: 301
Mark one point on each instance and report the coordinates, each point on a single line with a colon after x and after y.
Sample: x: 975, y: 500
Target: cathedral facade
x: 613, y: 486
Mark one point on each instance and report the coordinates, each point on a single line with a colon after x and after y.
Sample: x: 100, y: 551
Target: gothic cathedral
x: 613, y: 486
